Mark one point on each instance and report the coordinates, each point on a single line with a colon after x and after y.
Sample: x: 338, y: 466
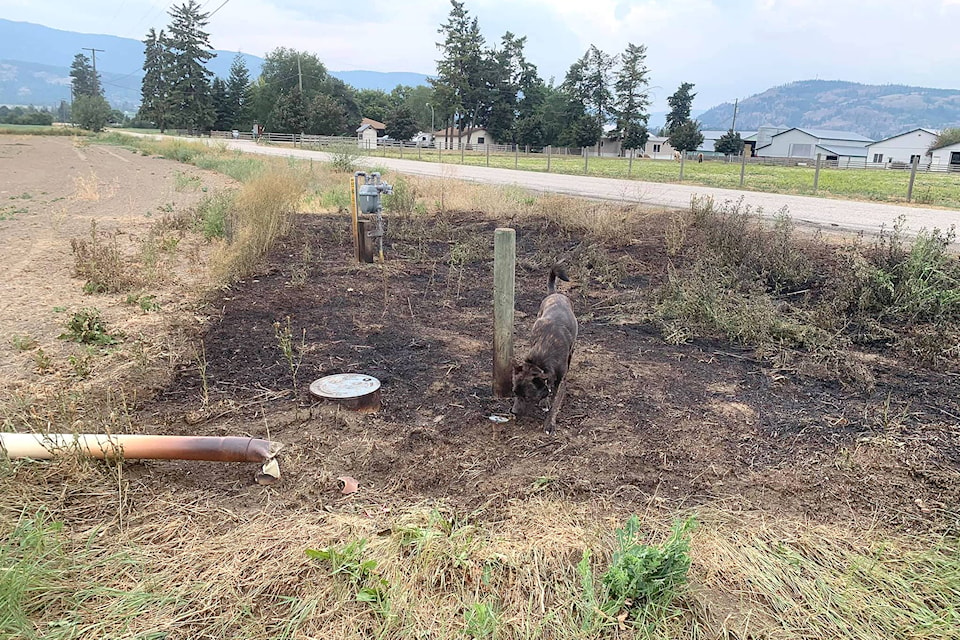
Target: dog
x: 539, y: 382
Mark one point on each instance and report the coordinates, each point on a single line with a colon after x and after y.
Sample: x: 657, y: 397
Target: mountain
x: 875, y: 111
x: 35, y: 66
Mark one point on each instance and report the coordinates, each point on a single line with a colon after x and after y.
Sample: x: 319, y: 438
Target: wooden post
x: 462, y: 147
x: 401, y: 149
x: 516, y: 156
x: 355, y: 216
x: 585, y: 159
x: 487, y: 146
x: 549, y: 153
x: 683, y: 156
x: 504, y: 274
x: 743, y: 164
x: 913, y: 176
x: 419, y: 151
x: 630, y: 165
x: 816, y: 174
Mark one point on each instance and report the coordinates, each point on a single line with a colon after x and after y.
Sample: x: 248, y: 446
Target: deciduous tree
x: 686, y: 136
x: 729, y: 144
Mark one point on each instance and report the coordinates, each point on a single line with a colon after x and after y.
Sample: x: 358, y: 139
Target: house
x: 658, y: 148
x: 368, y: 132
x: 839, y: 146
x: 903, y: 148
x: 947, y: 157
x: 473, y: 138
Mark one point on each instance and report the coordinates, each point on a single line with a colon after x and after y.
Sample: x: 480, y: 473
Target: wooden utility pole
x: 93, y: 54
x: 504, y: 275
x: 913, y: 176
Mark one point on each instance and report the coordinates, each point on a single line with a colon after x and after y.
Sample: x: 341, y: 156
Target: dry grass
x: 87, y: 188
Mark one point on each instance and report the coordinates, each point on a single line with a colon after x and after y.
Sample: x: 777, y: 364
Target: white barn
x: 903, y: 147
x: 947, y: 157
x: 476, y: 138
x: 658, y: 148
x: 807, y: 143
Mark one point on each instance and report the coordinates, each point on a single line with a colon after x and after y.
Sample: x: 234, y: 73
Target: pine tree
x: 190, y: 79
x: 632, y: 97
x: 686, y: 136
x: 239, y: 94
x: 83, y: 80
x: 596, y: 84
x: 458, y: 85
x: 154, y: 89
x: 680, y: 103
x: 223, y: 113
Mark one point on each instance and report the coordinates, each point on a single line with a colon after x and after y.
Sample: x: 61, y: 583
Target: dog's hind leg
x: 551, y: 422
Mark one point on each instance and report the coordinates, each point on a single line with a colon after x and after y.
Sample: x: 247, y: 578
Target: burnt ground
x: 644, y: 421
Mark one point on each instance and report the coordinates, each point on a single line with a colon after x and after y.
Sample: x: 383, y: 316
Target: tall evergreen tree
x: 632, y: 97
x: 239, y: 94
x: 84, y: 82
x: 458, y: 85
x: 155, y: 89
x: 596, y: 77
x: 222, y: 109
x: 681, y: 102
x: 190, y: 79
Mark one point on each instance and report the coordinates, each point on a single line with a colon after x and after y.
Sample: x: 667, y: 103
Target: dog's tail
x: 556, y: 271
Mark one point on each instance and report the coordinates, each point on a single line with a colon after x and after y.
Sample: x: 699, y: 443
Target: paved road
x: 840, y: 215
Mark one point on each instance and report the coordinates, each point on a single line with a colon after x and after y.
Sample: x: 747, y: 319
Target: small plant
x: 24, y: 342
x: 644, y: 579
x: 201, y: 359
x: 185, y: 182
x: 481, y: 621
x: 213, y: 215
x: 343, y: 157
x: 292, y: 353
x: 100, y: 262
x: 42, y: 361
x: 87, y: 327
x: 146, y: 303
x: 349, y: 563
x: 82, y: 365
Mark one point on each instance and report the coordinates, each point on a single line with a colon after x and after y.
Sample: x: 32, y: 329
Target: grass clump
x: 98, y: 260
x: 262, y: 214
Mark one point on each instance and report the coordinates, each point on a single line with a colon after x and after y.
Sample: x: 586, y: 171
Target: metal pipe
x: 46, y: 446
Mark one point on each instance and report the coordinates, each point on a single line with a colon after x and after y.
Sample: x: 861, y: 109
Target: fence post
x: 516, y: 155
x: 549, y: 153
x: 743, y: 165
x: 585, y: 157
x: 630, y: 165
x: 683, y: 156
x: 913, y: 176
x: 816, y: 174
x: 401, y: 148
x: 504, y: 273
x: 419, y: 151
x: 487, y: 146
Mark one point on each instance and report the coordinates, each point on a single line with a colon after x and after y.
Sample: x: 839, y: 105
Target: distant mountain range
x: 35, y: 66
x: 875, y: 111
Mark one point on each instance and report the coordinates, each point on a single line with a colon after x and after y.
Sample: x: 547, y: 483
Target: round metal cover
x: 342, y: 386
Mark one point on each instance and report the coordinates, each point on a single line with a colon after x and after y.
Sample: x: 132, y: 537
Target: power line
x: 210, y: 15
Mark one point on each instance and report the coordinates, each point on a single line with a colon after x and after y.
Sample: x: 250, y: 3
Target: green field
x: 41, y: 130
x: 930, y: 189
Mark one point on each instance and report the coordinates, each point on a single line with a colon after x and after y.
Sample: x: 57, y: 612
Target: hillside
x: 876, y: 111
x: 35, y: 66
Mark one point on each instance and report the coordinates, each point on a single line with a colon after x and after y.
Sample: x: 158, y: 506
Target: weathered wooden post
x: 816, y: 174
x: 401, y: 149
x: 743, y: 164
x: 549, y: 153
x: 487, y: 146
x: 462, y: 147
x: 683, y: 156
x: 630, y: 165
x: 913, y: 176
x: 516, y: 155
x: 586, y: 156
x: 504, y: 273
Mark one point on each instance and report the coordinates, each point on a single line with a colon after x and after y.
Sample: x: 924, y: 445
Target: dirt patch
x: 644, y: 420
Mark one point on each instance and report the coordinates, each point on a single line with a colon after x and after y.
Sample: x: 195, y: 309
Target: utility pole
x: 93, y: 54
x: 733, y: 127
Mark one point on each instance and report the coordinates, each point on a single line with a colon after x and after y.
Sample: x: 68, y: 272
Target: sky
x: 728, y: 48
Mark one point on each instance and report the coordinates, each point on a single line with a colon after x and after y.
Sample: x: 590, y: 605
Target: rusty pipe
x: 45, y: 446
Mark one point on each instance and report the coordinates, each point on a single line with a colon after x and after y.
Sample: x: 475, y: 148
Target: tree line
x: 476, y: 86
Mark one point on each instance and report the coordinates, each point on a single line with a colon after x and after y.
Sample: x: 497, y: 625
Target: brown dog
x: 539, y: 383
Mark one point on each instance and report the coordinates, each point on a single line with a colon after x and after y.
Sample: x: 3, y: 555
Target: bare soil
x: 644, y: 423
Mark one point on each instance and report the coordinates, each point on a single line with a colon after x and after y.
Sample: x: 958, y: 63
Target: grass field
x: 936, y: 189
x: 41, y: 130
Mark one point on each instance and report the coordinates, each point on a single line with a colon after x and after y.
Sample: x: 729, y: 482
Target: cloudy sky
x: 727, y: 48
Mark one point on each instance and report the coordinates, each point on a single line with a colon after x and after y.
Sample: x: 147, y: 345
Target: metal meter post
x: 368, y: 213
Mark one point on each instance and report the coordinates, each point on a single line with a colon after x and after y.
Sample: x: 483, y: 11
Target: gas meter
x: 368, y: 222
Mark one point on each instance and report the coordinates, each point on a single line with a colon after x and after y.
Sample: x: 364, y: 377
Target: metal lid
x: 344, y: 385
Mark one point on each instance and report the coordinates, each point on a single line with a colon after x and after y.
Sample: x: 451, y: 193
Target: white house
x: 807, y: 143
x: 368, y: 132
x: 658, y: 148
x: 476, y: 138
x: 903, y: 148
x: 947, y: 157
